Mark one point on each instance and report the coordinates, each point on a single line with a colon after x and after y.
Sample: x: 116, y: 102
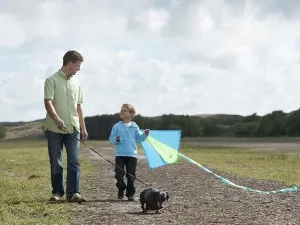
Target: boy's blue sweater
x: 128, y: 138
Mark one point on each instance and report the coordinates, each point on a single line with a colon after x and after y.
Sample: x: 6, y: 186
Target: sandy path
x: 196, y: 197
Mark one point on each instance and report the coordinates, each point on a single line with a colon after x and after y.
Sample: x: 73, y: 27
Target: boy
x: 124, y: 136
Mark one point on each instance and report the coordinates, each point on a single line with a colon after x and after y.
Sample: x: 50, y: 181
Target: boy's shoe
x: 120, y: 194
x: 56, y: 197
x: 76, y: 198
x: 130, y: 198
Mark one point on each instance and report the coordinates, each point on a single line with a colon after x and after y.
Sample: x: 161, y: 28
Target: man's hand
x: 118, y: 138
x: 59, y: 122
x: 147, y: 132
x: 84, y: 135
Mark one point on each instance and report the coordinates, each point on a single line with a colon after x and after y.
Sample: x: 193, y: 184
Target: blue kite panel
x: 167, y: 137
x: 153, y: 158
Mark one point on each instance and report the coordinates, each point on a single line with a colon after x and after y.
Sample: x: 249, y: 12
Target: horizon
x: 194, y: 115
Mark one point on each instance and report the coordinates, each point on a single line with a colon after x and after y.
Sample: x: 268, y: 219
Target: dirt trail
x: 196, y: 197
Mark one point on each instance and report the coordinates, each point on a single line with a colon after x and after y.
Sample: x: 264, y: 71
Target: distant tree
x: 272, y: 124
x: 279, y: 123
x: 293, y: 124
x: 210, y: 129
x: 3, y: 131
x: 265, y: 127
x: 252, y: 118
x: 245, y: 129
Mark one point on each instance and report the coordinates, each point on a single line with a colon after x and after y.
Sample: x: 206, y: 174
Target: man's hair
x: 130, y: 108
x: 72, y: 56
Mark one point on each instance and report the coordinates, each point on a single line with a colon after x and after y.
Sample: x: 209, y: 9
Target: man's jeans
x: 55, y: 148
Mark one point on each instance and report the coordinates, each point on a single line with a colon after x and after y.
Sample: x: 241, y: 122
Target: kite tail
x: 291, y: 189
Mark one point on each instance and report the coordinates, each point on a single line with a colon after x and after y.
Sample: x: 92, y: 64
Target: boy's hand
x: 147, y: 132
x: 118, y: 138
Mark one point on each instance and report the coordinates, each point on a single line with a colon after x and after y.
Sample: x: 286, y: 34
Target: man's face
x: 74, y: 67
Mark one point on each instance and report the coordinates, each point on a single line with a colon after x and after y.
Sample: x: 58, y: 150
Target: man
x: 63, y: 99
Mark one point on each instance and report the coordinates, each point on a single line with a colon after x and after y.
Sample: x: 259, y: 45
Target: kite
x: 161, y: 148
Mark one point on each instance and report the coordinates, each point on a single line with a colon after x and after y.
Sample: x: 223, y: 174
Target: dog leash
x: 65, y: 130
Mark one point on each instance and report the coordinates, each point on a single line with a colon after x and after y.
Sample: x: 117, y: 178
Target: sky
x: 163, y: 56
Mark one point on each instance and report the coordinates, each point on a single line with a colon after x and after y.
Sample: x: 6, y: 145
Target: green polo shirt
x: 66, y: 94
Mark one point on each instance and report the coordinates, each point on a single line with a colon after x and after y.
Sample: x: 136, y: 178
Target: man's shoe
x: 56, y: 197
x: 120, y: 194
x: 76, y: 198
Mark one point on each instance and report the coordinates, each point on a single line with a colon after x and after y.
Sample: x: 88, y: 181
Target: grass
x: 25, y: 185
x: 265, y: 165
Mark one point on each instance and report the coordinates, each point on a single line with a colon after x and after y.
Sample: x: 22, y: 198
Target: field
x: 25, y: 187
x: 196, y: 197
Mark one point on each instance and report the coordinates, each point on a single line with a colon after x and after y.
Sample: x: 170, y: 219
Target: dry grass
x: 27, y: 130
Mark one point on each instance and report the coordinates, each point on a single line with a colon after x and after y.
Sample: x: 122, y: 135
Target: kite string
x: 291, y: 189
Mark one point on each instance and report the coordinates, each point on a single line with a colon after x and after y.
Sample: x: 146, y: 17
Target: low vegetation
x: 3, y: 131
x: 265, y: 165
x: 25, y: 185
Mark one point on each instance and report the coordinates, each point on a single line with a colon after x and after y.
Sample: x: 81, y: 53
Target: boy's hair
x: 130, y: 108
x: 72, y: 56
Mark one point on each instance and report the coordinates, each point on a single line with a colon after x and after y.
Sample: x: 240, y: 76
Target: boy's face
x: 125, y: 114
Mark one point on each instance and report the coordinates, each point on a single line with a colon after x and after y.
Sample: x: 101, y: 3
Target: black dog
x: 153, y: 199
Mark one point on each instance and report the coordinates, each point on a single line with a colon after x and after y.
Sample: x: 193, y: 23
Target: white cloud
x: 150, y: 21
x: 183, y: 57
x: 12, y: 34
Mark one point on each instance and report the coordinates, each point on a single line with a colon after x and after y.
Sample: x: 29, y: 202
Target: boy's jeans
x: 55, y: 148
x: 130, y: 164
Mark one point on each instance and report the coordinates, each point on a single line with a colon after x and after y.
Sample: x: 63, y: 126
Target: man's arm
x: 49, y: 90
x: 51, y: 111
x: 82, y: 123
x: 81, y: 118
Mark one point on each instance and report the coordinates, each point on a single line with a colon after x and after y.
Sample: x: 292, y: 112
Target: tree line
x: 274, y: 124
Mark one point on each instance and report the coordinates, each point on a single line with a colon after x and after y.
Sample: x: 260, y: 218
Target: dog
x: 153, y: 199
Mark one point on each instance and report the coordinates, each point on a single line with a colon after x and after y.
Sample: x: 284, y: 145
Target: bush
x: 3, y: 131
